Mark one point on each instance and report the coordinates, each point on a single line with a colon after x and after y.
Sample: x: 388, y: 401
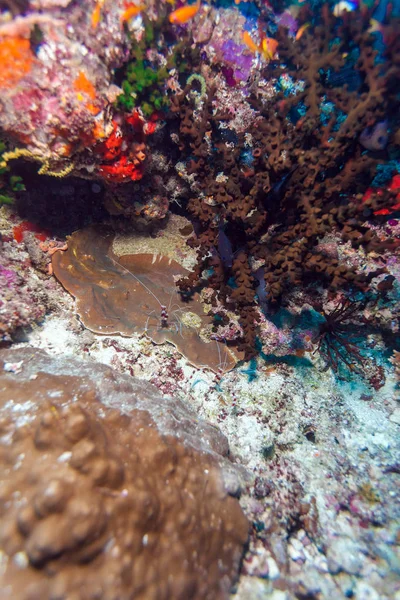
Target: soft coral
x: 121, y: 170
x: 125, y: 149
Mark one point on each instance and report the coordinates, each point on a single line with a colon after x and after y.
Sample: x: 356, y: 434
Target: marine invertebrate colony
x: 307, y: 174
x: 136, y: 294
x: 143, y: 79
x: 261, y: 195
x: 64, y: 63
x: 119, y: 501
x: 278, y: 136
x: 16, y: 57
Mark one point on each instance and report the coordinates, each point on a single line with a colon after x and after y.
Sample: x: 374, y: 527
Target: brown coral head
x: 96, y: 502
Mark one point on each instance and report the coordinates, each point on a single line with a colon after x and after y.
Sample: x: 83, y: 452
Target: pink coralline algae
x: 19, y: 305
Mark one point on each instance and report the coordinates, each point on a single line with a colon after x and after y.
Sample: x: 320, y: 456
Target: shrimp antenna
x: 137, y: 279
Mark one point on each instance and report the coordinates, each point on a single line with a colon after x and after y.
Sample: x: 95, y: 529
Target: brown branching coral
x: 243, y: 296
x: 106, y: 489
x: 136, y: 293
x: 308, y: 172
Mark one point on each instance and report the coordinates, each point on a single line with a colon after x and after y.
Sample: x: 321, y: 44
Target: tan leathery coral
x: 126, y: 294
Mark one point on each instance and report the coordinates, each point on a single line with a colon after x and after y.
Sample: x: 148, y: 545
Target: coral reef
x: 71, y: 72
x: 395, y: 360
x: 123, y: 152
x: 304, y: 435
x: 307, y: 175
x: 144, y: 79
x: 19, y: 305
x: 275, y: 129
x: 58, y: 74
x: 116, y: 498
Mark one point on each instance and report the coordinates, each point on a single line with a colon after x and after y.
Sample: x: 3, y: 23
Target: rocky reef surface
x: 318, y: 456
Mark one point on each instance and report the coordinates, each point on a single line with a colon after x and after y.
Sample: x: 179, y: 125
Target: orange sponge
x: 16, y: 58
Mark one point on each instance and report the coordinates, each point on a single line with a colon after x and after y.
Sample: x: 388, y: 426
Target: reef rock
x: 110, y: 490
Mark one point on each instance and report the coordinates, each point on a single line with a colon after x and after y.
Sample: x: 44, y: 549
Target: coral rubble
x: 110, y: 490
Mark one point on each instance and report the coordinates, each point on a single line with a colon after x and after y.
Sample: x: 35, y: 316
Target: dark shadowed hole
x: 59, y: 206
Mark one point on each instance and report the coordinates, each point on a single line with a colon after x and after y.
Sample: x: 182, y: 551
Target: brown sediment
x: 97, y: 500
x: 124, y: 295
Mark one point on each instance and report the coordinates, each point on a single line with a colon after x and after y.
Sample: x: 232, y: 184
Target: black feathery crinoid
x: 339, y: 335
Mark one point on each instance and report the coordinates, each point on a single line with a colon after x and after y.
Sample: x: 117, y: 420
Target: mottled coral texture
x: 307, y: 174
x: 25, y: 294
x: 110, y: 490
x: 19, y: 305
x: 136, y: 293
x: 395, y: 360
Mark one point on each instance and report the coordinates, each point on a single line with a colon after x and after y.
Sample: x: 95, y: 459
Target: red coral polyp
x: 121, y: 171
x: 140, y: 126
x: 393, y: 186
x: 111, y: 148
x: 135, y: 121
x: 125, y: 149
